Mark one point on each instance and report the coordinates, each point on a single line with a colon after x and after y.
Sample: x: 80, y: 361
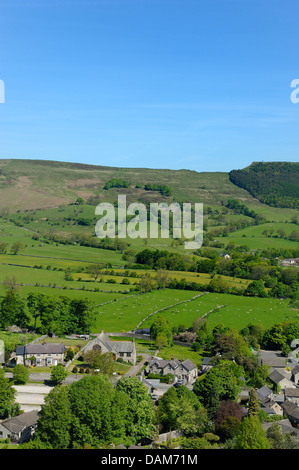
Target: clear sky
x: 196, y: 84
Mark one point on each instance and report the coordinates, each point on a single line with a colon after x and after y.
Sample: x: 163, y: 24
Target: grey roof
x: 291, y: 409
x: 188, y: 365
x: 276, y: 376
x: 122, y: 346
x: 118, y: 346
x: 273, y: 361
x: 173, y: 363
x: 18, y: 423
x: 206, y: 361
x: 44, y: 348
x: 292, y: 392
x: 263, y: 392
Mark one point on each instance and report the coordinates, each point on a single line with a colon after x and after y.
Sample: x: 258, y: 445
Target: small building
x: 264, y: 393
x: 279, y: 379
x: 125, y: 350
x: 292, y: 394
x: 291, y: 410
x: 20, y: 428
x: 206, y: 364
x: 40, y: 354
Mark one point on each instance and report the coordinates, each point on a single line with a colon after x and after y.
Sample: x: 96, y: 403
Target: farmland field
x: 231, y: 310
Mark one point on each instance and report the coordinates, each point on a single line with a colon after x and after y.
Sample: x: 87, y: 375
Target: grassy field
x: 231, y: 310
x: 37, y: 198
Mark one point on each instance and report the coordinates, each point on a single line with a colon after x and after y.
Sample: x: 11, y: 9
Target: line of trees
x: 49, y: 314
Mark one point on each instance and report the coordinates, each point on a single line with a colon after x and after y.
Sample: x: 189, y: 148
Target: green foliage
x: 8, y: 407
x: 20, y: 374
x: 273, y: 183
x: 161, y: 331
x: 251, y: 434
x: 116, y: 183
x: 13, y: 310
x: 58, y: 374
x: 222, y: 379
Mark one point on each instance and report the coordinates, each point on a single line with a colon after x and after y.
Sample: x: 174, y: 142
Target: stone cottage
x: 20, y: 428
x: 42, y: 354
x: 183, y: 370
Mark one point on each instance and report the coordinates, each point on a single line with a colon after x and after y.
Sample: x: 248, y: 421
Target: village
x: 280, y: 398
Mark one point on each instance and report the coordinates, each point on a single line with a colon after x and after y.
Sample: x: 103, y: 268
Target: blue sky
x: 201, y: 85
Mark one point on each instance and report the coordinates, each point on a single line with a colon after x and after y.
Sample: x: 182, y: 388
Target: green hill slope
x: 273, y: 183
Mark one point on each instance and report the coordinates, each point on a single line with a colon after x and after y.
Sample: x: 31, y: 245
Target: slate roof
x: 18, y: 423
x: 118, y: 346
x: 292, y: 392
x: 40, y: 348
x: 173, y: 363
x: 263, y: 392
x: 276, y: 376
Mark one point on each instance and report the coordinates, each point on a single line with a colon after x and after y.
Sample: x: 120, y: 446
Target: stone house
x: 182, y: 370
x: 291, y: 411
x: 45, y: 354
x: 20, y: 428
x: 295, y: 375
x: 125, y: 350
x: 281, y: 379
x: 292, y: 394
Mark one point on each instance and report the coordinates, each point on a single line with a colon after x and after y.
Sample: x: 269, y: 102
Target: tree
x: 228, y: 409
x: 8, y: 407
x: 55, y: 419
x: 105, y: 363
x: 256, y: 289
x: 223, y: 378
x: 58, y: 374
x: 161, y: 325
x: 140, y: 411
x: 17, y: 247
x: 91, y: 400
x: 20, y: 374
x: 94, y: 270
x: 278, y: 440
x: 253, y: 404
x: 13, y: 310
x: 251, y: 434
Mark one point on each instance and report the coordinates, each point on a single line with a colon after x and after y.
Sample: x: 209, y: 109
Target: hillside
x: 39, y: 184
x: 273, y: 183
x: 41, y: 211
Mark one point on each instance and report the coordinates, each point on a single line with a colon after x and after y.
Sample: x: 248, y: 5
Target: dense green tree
x: 90, y: 401
x: 13, y: 310
x: 140, y: 412
x: 8, y: 406
x: 58, y: 374
x: 251, y: 434
x: 253, y: 404
x: 161, y: 325
x: 55, y: 420
x: 223, y: 377
x: 20, y: 374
